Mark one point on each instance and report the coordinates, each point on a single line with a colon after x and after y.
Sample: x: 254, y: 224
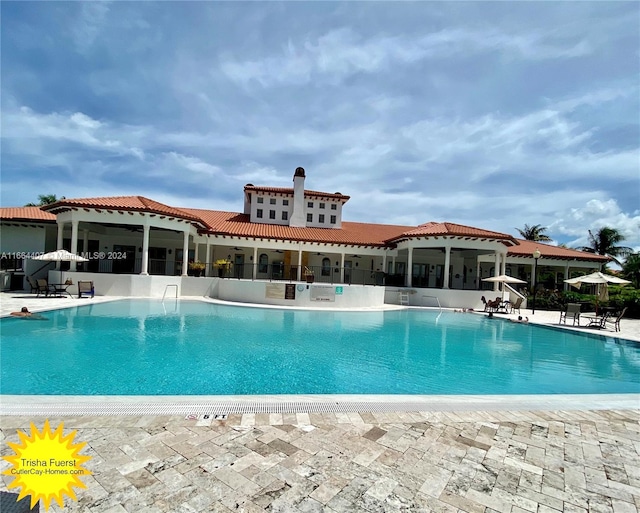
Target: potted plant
x: 196, y: 267
x: 223, y: 266
x: 308, y: 275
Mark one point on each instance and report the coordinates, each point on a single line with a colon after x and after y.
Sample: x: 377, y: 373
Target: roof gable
x: 433, y: 229
x: 128, y: 203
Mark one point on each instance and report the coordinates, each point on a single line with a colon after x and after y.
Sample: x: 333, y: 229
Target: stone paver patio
x: 484, y: 461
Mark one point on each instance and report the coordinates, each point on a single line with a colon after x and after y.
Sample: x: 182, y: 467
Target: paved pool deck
x: 572, y: 455
x: 471, y: 461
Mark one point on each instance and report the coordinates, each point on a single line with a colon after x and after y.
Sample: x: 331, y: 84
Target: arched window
x: 326, y: 267
x: 263, y: 263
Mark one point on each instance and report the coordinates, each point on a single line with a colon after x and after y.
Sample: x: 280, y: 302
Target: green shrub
x: 619, y: 298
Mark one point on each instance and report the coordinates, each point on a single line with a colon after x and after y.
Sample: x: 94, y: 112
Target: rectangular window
x: 321, y: 218
x: 285, y: 202
x: 272, y: 214
x: 272, y: 201
x: 309, y: 218
x: 285, y: 215
x: 310, y: 204
x: 334, y: 206
x: 259, y: 213
x: 321, y: 205
x: 333, y: 219
x: 260, y: 199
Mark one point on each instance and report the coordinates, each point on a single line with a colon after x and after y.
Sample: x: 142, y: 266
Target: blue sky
x: 488, y: 114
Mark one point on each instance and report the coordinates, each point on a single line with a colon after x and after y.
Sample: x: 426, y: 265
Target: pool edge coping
x: 29, y: 405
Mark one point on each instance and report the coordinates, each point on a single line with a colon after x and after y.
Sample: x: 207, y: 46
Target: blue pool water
x: 141, y: 347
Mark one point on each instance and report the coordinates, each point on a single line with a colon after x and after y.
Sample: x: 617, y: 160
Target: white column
x: 207, y: 259
x: 59, y: 241
x: 185, y: 253
x: 341, y: 267
x: 447, y: 264
x: 503, y: 267
x: 478, y: 274
x: 255, y: 263
x: 145, y: 248
x: 74, y: 243
x: 409, y: 275
x: 299, y: 278
x: 384, y: 263
x: 497, y: 271
x: 85, y: 241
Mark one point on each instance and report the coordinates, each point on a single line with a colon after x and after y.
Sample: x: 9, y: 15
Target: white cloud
x: 342, y: 52
x: 89, y: 23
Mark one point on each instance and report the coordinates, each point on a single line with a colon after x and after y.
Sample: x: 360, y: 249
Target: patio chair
x: 597, y: 321
x: 32, y: 283
x: 516, y: 306
x: 44, y: 287
x: 572, y: 312
x: 616, y: 321
x: 85, y: 287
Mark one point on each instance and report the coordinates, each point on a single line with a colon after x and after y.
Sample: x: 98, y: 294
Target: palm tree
x: 535, y: 232
x: 631, y: 269
x: 604, y: 242
x: 44, y: 199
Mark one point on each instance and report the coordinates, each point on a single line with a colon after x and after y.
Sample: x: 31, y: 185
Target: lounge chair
x: 516, y: 306
x: 32, y: 283
x: 44, y: 287
x: 572, y: 312
x: 615, y: 321
x: 85, y: 287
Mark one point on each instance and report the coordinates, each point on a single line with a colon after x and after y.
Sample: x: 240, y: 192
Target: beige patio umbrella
x: 600, y: 279
x: 61, y: 255
x: 503, y: 278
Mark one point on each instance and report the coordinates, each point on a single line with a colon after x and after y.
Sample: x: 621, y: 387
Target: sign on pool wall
x: 320, y: 293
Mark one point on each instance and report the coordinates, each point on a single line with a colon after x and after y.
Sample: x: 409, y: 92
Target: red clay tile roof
x: 357, y: 234
x: 26, y: 214
x: 438, y: 229
x: 135, y: 203
x: 527, y: 247
x: 235, y: 224
x: 289, y: 191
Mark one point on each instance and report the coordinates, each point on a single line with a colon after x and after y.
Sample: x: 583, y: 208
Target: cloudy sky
x: 488, y: 114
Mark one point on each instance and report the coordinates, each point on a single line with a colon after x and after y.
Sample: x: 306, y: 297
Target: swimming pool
x: 143, y: 347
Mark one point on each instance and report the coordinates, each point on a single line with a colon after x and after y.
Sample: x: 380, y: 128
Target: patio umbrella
x: 61, y: 255
x: 503, y: 278
x: 596, y: 277
x: 600, y: 279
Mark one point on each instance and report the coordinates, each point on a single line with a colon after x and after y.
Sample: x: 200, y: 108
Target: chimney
x: 298, y: 217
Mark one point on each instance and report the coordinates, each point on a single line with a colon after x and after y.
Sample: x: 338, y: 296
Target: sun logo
x: 46, y: 465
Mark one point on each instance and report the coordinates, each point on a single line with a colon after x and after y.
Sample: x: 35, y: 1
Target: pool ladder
x: 167, y: 288
x: 433, y: 297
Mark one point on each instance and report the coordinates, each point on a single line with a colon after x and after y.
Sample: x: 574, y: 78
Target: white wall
x: 448, y: 298
x: 23, y: 239
x: 353, y: 296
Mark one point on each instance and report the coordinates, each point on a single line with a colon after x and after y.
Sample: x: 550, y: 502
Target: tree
x: 604, y: 242
x: 535, y: 232
x: 45, y: 199
x: 631, y: 269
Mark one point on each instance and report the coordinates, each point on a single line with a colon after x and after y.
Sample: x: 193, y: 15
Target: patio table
x: 59, y: 289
